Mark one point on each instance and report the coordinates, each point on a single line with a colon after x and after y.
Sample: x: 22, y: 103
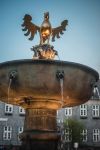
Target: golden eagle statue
x: 45, y: 30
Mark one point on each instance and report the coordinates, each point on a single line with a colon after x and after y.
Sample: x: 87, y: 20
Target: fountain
x: 42, y: 85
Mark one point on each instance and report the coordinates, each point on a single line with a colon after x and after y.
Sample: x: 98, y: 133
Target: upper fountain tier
x: 36, y: 84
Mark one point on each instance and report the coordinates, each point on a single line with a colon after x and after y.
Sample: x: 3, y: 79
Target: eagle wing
x: 59, y: 30
x: 29, y: 27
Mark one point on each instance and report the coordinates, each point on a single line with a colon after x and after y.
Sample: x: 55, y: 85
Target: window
x: 21, y: 111
x: 68, y: 111
x: 20, y: 130
x: 84, y: 135
x: 8, y: 108
x: 83, y: 110
x: 96, y: 135
x: 7, y: 133
x: 95, y: 111
x: 68, y: 135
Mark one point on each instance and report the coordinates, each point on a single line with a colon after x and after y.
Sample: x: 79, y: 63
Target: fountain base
x: 31, y: 144
x: 40, y: 130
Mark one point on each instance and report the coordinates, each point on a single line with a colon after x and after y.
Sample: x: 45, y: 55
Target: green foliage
x: 75, y: 127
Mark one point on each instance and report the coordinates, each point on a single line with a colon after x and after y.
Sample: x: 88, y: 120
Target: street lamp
x: 76, y: 145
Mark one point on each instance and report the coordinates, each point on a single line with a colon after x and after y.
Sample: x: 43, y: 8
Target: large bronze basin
x: 36, y: 84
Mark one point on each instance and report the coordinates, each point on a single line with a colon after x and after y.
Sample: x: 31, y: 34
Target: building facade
x: 11, y: 124
x: 89, y: 115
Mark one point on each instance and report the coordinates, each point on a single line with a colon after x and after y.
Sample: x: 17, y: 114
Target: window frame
x: 20, y: 131
x: 68, y: 111
x: 84, y: 135
x: 83, y: 111
x: 21, y: 112
x: 68, y: 135
x: 96, y: 135
x: 95, y: 111
x: 7, y: 133
x: 8, y: 109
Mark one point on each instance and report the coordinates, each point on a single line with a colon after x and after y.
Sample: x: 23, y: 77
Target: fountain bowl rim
x: 56, y: 62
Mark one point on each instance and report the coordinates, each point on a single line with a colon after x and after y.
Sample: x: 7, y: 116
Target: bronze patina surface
x: 45, y: 30
x: 36, y: 84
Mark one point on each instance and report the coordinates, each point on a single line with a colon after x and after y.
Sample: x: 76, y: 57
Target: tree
x: 73, y: 130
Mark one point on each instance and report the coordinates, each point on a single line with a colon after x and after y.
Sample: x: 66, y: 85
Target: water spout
x: 12, y: 77
x: 60, y: 77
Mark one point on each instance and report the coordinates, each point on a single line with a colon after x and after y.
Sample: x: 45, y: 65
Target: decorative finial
x: 46, y: 32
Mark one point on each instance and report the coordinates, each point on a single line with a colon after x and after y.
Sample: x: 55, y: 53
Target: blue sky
x: 80, y: 43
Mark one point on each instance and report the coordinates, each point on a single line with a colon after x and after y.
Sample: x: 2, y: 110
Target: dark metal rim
x: 55, y: 62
